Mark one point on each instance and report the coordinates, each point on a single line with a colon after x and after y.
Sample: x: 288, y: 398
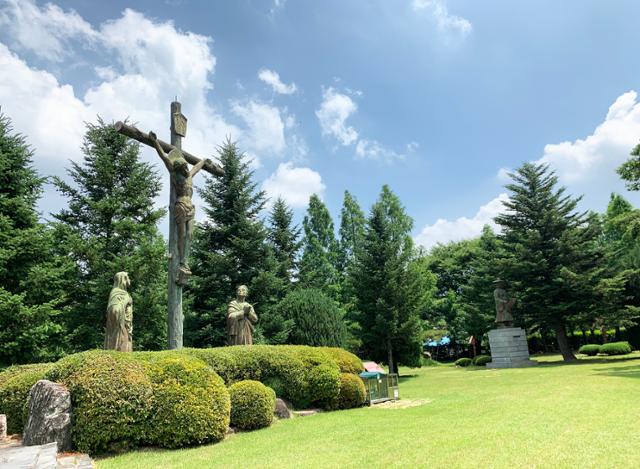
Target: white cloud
x: 372, y: 149
x: 597, y: 155
x: 272, y: 79
x: 294, y: 185
x: 444, y: 231
x: 44, y: 31
x: 266, y: 127
x: 334, y: 111
x: 445, y: 21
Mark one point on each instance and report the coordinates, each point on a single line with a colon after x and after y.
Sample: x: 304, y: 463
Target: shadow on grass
x: 589, y: 361
x: 405, y: 378
x: 632, y: 371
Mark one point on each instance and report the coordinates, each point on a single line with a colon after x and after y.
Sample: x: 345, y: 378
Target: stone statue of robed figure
x: 240, y: 319
x: 119, y: 331
x: 504, y: 304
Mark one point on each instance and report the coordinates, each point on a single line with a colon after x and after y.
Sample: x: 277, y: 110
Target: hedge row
x: 174, y: 399
x: 611, y: 348
x: 306, y: 376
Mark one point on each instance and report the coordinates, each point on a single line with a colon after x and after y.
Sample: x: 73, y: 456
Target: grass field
x: 555, y: 415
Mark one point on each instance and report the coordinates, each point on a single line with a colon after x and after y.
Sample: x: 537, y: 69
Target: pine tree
x: 30, y: 298
x: 109, y: 226
x: 549, y: 258
x: 320, y: 250
x: 352, y: 223
x: 389, y: 291
x: 229, y: 250
x: 284, y: 240
x: 629, y: 171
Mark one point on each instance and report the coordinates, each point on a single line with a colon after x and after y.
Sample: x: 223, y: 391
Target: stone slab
x: 509, y: 348
x: 40, y: 457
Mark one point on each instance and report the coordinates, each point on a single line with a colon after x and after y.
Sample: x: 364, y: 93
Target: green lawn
x: 555, y: 415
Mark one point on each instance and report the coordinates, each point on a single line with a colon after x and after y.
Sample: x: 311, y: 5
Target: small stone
x: 306, y: 413
x: 283, y: 411
x: 49, y: 417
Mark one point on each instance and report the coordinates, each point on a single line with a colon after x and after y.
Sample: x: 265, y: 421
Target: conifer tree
x: 352, y: 223
x: 229, y: 250
x: 30, y: 297
x: 320, y: 250
x: 549, y: 258
x: 284, y: 240
x: 389, y: 292
x: 110, y: 225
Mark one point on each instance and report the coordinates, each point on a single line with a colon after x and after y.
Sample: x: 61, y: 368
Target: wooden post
x: 175, y: 316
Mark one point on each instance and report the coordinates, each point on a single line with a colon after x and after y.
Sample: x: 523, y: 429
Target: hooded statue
x: 240, y: 319
x: 118, y: 335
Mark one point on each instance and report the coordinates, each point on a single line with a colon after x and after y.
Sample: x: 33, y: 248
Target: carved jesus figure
x: 183, y: 210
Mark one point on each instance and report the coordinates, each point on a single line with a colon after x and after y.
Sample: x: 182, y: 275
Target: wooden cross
x: 178, y: 207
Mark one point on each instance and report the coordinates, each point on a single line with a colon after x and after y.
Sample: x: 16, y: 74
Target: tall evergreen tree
x: 389, y: 291
x: 549, y: 257
x: 30, y: 297
x: 352, y: 226
x: 109, y: 226
x: 320, y: 250
x: 352, y: 223
x: 629, y: 171
x: 229, y: 250
x: 284, y: 240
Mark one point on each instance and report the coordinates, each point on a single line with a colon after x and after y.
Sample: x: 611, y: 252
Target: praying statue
x: 504, y: 304
x: 240, y: 319
x: 183, y: 209
x: 119, y: 333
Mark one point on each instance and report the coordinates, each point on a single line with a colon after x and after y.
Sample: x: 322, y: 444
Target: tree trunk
x: 390, y: 361
x: 563, y: 342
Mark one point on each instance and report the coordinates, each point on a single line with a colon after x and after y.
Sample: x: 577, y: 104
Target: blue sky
x: 436, y: 98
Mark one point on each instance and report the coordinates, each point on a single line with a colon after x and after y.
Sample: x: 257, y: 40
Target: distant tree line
x: 364, y: 286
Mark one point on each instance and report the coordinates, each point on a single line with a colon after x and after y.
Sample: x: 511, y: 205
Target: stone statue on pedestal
x: 119, y: 332
x: 240, y: 319
x: 504, y: 304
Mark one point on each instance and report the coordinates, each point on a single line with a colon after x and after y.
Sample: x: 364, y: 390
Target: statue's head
x: 121, y: 280
x: 499, y: 283
x: 178, y: 162
x: 242, y: 290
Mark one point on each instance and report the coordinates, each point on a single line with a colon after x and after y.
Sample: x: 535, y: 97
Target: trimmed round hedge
x: 464, y: 362
x: 616, y: 348
x: 481, y: 360
x: 590, y: 349
x: 252, y: 405
x: 123, y: 400
x: 15, y: 383
x: 352, y: 391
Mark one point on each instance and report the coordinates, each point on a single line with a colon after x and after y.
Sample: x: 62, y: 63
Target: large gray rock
x: 3, y: 426
x: 49, y: 417
x: 283, y: 411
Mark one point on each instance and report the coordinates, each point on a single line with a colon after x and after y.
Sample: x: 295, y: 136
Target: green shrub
x: 285, y: 368
x: 590, y: 349
x: 481, y: 360
x: 15, y: 383
x: 462, y: 362
x: 317, y: 319
x: 252, y: 405
x: 430, y: 362
x: 123, y: 400
x: 191, y: 403
x: 352, y: 391
x: 615, y: 348
x: 324, y: 385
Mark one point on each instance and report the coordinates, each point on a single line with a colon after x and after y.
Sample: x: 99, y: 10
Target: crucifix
x: 181, y: 209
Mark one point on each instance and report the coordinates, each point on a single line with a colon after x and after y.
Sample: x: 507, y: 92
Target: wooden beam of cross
x: 181, y: 209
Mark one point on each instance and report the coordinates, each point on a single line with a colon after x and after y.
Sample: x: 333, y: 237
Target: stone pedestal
x: 509, y: 348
